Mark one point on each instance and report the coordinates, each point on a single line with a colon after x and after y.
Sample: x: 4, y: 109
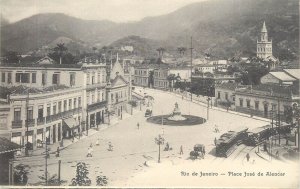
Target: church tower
x: 264, y: 46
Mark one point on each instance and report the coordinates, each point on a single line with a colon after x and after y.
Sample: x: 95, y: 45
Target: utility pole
x: 59, y: 165
x: 278, y: 119
x: 207, y: 108
x: 46, y: 164
x: 26, y: 124
x: 191, y: 67
x: 87, y: 122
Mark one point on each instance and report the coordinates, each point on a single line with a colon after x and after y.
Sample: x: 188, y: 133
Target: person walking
x: 97, y: 142
x: 215, y: 141
x: 138, y: 125
x: 89, y: 154
x: 57, y: 151
x: 248, y: 157
x: 181, y: 150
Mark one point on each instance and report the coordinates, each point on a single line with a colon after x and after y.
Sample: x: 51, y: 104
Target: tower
x: 264, y: 46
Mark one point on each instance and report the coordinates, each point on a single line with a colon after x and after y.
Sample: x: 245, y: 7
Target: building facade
x: 49, y: 101
x: 264, y: 45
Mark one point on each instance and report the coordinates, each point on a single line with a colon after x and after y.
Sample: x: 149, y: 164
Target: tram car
x: 229, y: 141
x: 257, y: 135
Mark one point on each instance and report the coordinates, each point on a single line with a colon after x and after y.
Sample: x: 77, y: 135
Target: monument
x: 176, y: 114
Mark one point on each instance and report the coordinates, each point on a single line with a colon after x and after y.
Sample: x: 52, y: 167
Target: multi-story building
x: 142, y: 75
x: 118, y: 91
x: 49, y: 101
x: 160, y: 77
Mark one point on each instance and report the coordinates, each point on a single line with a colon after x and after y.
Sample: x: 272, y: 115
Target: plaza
x: 135, y: 153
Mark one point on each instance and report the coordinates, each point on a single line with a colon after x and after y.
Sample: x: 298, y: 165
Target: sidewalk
x: 67, y: 142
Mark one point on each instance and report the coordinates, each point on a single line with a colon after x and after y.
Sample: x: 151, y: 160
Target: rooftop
x: 7, y: 146
x: 229, y: 86
x: 293, y: 72
x: 282, y: 76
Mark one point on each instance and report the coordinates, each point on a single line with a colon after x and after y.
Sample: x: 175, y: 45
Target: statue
x: 176, y: 114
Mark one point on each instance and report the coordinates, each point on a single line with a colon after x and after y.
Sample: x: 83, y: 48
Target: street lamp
x: 159, y: 141
x: 107, y: 113
x: 208, y: 99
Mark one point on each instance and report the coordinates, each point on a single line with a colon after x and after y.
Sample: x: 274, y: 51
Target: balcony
x: 61, y: 115
x: 41, y: 121
x: 95, y: 85
x: 96, y: 105
x: 30, y: 122
x: 16, y: 124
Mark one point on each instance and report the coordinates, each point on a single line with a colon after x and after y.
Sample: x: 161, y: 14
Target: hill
x: 221, y: 27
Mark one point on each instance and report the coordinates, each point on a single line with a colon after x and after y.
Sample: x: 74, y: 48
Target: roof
x: 270, y: 89
x: 114, y: 81
x: 205, y: 65
x: 264, y: 28
x: 43, y: 65
x: 228, y: 86
x: 7, y: 146
x: 282, y: 76
x: 293, y: 72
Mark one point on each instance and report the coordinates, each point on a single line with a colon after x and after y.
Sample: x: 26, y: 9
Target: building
x: 48, y: 101
x: 264, y: 45
x: 204, y: 68
x: 118, y: 91
x: 225, y: 95
x: 285, y: 77
x: 265, y: 100
x: 280, y: 78
x: 183, y: 73
x: 142, y: 75
x: 160, y: 77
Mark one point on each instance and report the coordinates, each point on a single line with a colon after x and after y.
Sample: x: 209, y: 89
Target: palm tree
x: 60, y: 49
x: 161, y: 51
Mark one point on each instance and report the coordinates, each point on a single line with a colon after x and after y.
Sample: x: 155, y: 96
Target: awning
x: 70, y: 123
x: 7, y: 146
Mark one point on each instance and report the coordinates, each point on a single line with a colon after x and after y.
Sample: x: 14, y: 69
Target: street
x: 133, y: 146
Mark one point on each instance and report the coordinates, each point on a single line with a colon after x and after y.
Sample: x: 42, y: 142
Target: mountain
x: 222, y: 28
x: 40, y: 30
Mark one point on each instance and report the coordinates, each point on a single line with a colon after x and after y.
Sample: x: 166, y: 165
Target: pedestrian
x: 110, y: 147
x: 91, y: 145
x: 97, y: 142
x: 203, y: 151
x: 248, y: 157
x: 57, y: 151
x: 215, y: 141
x: 277, y: 153
x: 138, y: 125
x: 90, y: 150
x: 181, y: 150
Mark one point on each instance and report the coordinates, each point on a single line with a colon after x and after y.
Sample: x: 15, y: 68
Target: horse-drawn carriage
x: 198, y: 152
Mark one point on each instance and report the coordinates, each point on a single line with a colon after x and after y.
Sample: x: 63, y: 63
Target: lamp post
x: 107, y: 112
x: 159, y: 141
x: 208, y: 99
x: 26, y: 125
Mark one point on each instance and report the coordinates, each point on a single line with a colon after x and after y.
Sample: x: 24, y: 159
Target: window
x: 17, y: 114
x: 79, y: 101
x: 72, y: 79
x: 55, y: 79
x: 65, y: 105
x: 103, y: 97
x: 233, y: 98
x: 256, y: 105
x: 74, y: 102
x: 103, y: 77
x: 99, y: 78
x: 59, y: 107
x: 93, y: 79
x: 41, y: 112
x: 99, y: 96
x: 274, y: 107
x: 29, y: 113
x: 70, y: 104
x: 44, y: 79
x: 88, y: 98
x: 87, y: 78
x: 112, y: 97
x: 248, y: 103
x: 33, y: 78
x: 219, y: 94
x: 3, y: 77
x: 93, y: 98
x: 241, y: 102
x: 8, y: 77
x: 226, y: 96
x: 54, y: 108
x: 48, y: 109
x: 22, y: 77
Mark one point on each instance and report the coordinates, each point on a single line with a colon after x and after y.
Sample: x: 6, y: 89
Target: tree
x: 20, y: 174
x: 52, y: 180
x: 171, y: 78
x: 12, y: 57
x: 159, y: 141
x: 101, y: 180
x: 161, y: 51
x: 151, y: 78
x: 60, y: 54
x: 253, y: 73
x: 81, y: 178
x: 181, y: 50
x: 94, y: 49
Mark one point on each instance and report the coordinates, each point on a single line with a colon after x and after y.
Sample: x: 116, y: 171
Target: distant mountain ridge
x: 223, y: 28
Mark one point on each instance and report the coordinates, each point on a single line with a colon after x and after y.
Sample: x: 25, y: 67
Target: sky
x: 114, y: 10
